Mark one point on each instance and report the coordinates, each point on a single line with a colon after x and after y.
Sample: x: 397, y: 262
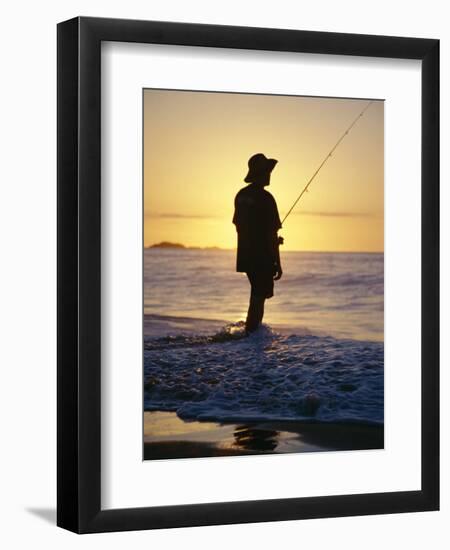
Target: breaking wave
x: 225, y: 376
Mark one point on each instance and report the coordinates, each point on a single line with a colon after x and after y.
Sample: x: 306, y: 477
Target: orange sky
x: 196, y: 148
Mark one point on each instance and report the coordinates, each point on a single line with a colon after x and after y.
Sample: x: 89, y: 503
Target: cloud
x: 325, y: 214
x: 318, y: 213
x: 178, y: 216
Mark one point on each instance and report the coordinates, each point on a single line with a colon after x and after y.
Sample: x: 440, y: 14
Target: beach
x: 167, y: 436
x: 310, y: 379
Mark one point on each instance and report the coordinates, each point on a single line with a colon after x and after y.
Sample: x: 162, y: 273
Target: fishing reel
x: 280, y: 240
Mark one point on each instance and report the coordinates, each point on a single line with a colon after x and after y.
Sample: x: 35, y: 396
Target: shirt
x: 256, y: 218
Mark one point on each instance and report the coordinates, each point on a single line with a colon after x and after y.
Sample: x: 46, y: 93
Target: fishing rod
x: 305, y: 189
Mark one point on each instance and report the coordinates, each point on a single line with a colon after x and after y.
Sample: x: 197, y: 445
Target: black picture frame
x: 79, y: 280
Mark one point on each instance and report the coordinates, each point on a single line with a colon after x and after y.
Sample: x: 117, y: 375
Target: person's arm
x: 278, y: 272
x: 276, y: 240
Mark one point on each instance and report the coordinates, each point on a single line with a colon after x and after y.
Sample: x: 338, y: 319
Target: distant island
x: 166, y: 244
x: 179, y: 246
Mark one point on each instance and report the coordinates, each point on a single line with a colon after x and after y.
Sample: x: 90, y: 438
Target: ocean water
x: 319, y: 356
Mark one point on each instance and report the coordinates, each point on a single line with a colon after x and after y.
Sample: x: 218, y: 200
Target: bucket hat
x: 259, y: 165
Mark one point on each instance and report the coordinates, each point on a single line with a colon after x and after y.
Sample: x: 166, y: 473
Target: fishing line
x: 305, y: 189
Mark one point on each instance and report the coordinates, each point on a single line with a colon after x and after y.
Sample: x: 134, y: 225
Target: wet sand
x: 167, y: 436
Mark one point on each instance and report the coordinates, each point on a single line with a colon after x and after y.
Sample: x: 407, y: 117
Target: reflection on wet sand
x: 255, y: 439
x: 167, y: 436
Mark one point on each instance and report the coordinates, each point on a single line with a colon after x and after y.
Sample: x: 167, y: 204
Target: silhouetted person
x: 257, y: 222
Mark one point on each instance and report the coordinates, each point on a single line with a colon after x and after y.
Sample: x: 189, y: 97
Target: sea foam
x: 270, y: 375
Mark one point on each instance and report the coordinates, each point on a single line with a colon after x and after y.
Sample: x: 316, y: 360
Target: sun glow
x: 196, y: 148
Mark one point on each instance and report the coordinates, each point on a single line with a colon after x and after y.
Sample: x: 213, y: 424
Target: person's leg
x: 255, y: 312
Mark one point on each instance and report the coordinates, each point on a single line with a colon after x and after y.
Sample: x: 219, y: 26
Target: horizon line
x: 179, y: 246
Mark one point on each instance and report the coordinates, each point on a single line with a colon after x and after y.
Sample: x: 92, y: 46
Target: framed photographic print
x: 248, y: 288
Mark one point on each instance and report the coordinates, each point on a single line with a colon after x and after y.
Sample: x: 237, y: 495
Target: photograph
x: 248, y: 285
x: 263, y: 274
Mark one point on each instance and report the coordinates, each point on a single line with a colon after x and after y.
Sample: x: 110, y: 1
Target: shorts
x: 261, y: 283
